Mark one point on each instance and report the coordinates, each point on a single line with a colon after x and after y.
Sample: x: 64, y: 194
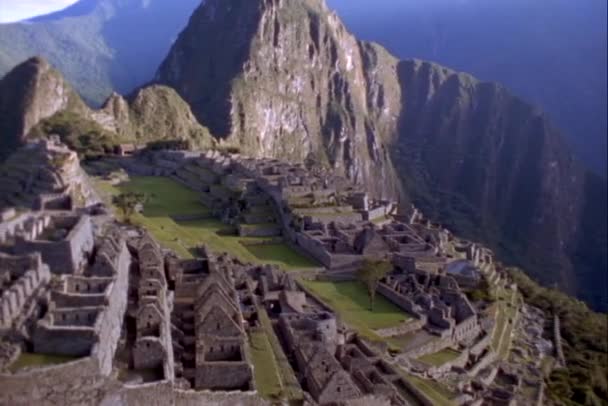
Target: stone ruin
x: 55, y: 182
x: 63, y: 294
x: 23, y: 281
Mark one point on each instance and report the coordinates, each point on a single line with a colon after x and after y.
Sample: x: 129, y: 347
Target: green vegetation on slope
x: 585, y: 343
x: 82, y: 135
x: 95, y: 43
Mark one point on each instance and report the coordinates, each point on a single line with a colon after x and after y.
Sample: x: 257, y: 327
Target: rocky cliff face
x: 289, y: 81
x: 491, y: 166
x: 29, y: 93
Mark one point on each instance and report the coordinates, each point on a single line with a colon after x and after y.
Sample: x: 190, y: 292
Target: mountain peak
x: 288, y: 80
x: 31, y: 92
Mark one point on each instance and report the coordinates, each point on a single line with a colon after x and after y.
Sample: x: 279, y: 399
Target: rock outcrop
x: 152, y: 113
x: 29, y: 93
x: 290, y: 81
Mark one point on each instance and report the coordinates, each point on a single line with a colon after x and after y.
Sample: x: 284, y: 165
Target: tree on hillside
x: 370, y: 274
x: 127, y: 203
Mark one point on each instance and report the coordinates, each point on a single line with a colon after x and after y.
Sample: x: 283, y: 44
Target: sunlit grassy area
x: 351, y: 302
x: 440, y: 395
x: 27, y: 360
x: 168, y: 198
x: 401, y: 341
x: 439, y: 358
x: 267, y: 380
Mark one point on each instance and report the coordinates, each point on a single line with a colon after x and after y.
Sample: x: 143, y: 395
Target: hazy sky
x: 16, y: 10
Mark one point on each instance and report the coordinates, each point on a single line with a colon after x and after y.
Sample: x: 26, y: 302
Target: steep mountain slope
x: 512, y: 42
x: 100, y: 45
x: 290, y: 81
x: 496, y: 170
x: 35, y: 96
x: 31, y: 92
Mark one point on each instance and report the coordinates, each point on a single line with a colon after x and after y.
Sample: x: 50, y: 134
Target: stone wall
x: 259, y: 230
x: 399, y: 300
x: 220, y: 375
x: 402, y: 329
x: 148, y: 353
x: 110, y: 323
x: 28, y: 284
x: 315, y: 249
x: 164, y: 394
x: 488, y: 358
x: 9, y: 228
x: 64, y: 340
x: 66, y: 256
x: 430, y: 347
x: 481, y: 345
x: 458, y: 362
x: 73, y: 383
x: 62, y: 299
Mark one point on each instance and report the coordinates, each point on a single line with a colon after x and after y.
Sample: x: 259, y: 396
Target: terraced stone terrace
x: 439, y: 358
x: 166, y: 214
x: 29, y: 360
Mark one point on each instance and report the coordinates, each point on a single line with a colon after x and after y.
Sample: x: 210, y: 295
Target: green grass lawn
x: 38, y: 360
x: 351, y: 302
x: 267, y: 380
x: 439, y: 394
x: 270, y: 252
x: 290, y: 386
x: 401, y: 341
x: 169, y: 198
x: 439, y: 358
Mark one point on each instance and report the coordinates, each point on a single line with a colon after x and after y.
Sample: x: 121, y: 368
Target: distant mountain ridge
x: 100, y: 46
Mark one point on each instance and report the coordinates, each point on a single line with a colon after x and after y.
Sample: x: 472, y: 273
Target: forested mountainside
x: 100, y: 46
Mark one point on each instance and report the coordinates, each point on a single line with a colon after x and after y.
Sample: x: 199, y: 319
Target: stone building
x: 23, y: 279
x: 209, y: 338
x: 85, y: 311
x: 436, y: 300
x: 313, y: 340
x: 65, y: 241
x: 153, y: 349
